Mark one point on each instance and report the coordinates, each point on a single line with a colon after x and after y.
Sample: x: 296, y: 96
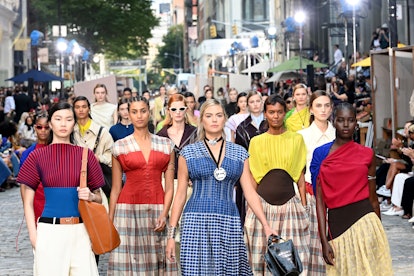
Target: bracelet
x: 171, y: 231
x: 371, y: 177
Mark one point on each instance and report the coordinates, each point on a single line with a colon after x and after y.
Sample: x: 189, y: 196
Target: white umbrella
x: 260, y: 67
x: 283, y: 76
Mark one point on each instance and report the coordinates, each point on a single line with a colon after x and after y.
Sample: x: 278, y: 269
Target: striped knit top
x: 58, y: 167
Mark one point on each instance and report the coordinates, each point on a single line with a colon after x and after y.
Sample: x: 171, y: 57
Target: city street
x: 20, y: 261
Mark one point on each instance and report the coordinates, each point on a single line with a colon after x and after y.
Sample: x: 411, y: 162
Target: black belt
x: 69, y: 220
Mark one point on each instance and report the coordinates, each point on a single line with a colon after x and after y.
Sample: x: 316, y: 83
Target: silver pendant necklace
x: 214, y: 141
x: 219, y: 172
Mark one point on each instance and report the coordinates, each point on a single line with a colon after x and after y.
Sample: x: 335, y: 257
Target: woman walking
x: 298, y: 117
x: 140, y: 208
x: 211, y: 235
x: 61, y: 243
x: 344, y: 173
x: 103, y: 112
x: 42, y: 133
x: 318, y: 133
x: 277, y: 162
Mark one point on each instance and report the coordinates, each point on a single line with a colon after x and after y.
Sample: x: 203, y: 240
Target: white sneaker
x: 385, y: 206
x: 393, y: 212
x: 411, y: 219
x: 384, y: 191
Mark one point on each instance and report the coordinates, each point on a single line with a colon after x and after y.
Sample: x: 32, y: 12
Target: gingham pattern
x: 128, y: 144
x: 211, y: 234
x: 290, y: 221
x: 142, y: 250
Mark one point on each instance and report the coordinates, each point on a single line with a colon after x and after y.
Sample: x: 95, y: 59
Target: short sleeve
x: 243, y: 153
x: 95, y: 174
x: 185, y: 151
x: 29, y: 173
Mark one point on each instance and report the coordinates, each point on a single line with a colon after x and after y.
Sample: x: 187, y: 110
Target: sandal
x: 406, y: 216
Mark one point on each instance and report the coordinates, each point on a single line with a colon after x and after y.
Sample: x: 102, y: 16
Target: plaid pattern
x: 211, y: 234
x: 290, y: 221
x: 142, y: 251
x: 128, y: 144
x: 317, y: 264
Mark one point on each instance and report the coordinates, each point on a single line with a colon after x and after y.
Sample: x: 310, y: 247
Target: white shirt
x: 103, y: 114
x: 9, y: 104
x: 338, y: 56
x: 313, y: 138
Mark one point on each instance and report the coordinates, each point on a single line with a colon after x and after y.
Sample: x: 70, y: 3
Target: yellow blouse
x: 297, y: 120
x: 285, y: 151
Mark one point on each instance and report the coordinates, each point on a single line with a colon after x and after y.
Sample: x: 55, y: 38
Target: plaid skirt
x: 142, y: 250
x: 290, y: 221
x: 317, y: 265
x: 362, y: 249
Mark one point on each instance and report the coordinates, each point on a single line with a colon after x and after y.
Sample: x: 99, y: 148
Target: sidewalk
x: 400, y: 235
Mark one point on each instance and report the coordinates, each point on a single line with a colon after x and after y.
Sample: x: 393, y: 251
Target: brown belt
x: 69, y: 220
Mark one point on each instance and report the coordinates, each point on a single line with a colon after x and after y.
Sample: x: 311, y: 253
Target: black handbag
x: 282, y: 258
x: 107, y: 171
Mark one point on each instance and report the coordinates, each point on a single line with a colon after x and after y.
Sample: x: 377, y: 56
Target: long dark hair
x: 313, y: 97
x: 241, y: 94
x: 121, y: 102
x: 78, y: 99
x: 53, y: 109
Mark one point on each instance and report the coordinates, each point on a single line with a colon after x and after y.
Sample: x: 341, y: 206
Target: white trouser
x: 63, y: 249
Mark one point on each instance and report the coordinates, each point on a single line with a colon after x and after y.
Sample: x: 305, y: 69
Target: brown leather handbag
x: 102, y: 233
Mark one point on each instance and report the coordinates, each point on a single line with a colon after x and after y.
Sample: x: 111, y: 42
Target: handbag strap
x: 97, y: 139
x: 274, y: 238
x: 84, y: 168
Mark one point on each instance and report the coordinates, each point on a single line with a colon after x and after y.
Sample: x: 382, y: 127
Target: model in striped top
x: 61, y: 243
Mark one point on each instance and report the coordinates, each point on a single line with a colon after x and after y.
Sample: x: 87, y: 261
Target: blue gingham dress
x: 211, y: 234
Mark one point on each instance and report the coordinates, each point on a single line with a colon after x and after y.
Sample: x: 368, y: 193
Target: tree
x: 169, y: 54
x: 119, y: 28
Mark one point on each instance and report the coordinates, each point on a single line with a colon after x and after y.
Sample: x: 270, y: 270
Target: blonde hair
x: 296, y: 87
x: 101, y: 85
x: 201, y: 133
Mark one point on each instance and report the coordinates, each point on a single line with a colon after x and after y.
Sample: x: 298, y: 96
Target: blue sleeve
x: 26, y: 153
x: 319, y: 155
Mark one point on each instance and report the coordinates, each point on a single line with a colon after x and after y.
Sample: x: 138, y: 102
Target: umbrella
x: 36, y: 75
x: 367, y: 61
x: 363, y: 63
x: 260, y: 67
x: 283, y: 76
x: 294, y: 64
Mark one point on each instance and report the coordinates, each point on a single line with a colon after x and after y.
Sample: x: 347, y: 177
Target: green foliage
x: 119, y: 28
x: 173, y: 46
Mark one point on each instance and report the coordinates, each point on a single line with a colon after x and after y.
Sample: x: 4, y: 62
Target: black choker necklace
x: 214, y: 141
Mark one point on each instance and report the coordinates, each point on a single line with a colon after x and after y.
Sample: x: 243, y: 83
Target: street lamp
x: 300, y: 19
x: 61, y: 46
x: 271, y: 35
x: 353, y: 3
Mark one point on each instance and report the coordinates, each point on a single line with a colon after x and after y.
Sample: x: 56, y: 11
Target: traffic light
x: 234, y: 29
x: 213, y: 31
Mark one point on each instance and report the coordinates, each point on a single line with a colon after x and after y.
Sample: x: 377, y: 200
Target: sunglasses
x: 181, y: 109
x: 41, y: 127
x: 288, y: 102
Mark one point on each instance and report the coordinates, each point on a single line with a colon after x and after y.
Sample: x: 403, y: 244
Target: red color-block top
x: 143, y: 179
x: 344, y: 175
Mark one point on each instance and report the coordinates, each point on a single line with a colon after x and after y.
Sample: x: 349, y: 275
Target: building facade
x: 7, y: 36
x: 327, y: 22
